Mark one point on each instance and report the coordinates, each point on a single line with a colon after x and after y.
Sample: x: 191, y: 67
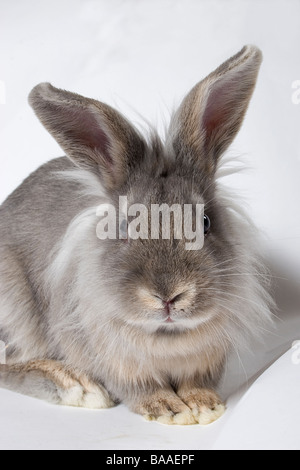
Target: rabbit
x: 145, y: 322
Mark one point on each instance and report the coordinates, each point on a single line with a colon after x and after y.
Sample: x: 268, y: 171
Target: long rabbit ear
x: 212, y: 113
x: 93, y: 135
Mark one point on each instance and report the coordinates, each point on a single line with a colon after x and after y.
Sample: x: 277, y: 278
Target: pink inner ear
x: 226, y: 104
x: 82, y: 127
x: 218, y: 107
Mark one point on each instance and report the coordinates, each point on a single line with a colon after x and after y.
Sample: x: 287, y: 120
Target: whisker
x: 270, y: 276
x: 263, y: 329
x: 244, y: 299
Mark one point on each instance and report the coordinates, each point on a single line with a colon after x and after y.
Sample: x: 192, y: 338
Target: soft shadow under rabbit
x: 91, y: 322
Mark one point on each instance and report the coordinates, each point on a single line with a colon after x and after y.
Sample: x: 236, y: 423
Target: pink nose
x: 172, y: 301
x: 168, y: 303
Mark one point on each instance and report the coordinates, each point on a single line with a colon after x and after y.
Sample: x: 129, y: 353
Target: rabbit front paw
x: 165, y: 407
x: 205, y: 404
x: 194, y: 406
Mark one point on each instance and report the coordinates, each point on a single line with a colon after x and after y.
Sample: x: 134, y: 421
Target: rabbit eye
x: 207, y: 224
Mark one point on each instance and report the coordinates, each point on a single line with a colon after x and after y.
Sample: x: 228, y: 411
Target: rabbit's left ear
x: 94, y: 136
x: 212, y: 113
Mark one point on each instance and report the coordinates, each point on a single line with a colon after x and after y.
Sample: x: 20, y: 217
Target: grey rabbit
x: 145, y: 322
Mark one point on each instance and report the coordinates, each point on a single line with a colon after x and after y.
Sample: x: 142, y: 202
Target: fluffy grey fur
x: 84, y: 319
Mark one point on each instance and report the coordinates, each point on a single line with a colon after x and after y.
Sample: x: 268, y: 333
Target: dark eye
x: 206, y: 224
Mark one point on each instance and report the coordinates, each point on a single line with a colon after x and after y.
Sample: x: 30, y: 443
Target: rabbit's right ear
x: 212, y: 113
x: 94, y: 136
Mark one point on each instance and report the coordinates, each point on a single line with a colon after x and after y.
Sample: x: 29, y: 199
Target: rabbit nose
x: 169, y: 303
x: 175, y: 299
x: 167, y: 306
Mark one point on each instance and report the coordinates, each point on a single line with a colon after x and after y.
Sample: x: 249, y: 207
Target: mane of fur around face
x: 86, y: 327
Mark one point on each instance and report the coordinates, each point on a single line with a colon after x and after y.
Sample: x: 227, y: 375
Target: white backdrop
x: 142, y: 56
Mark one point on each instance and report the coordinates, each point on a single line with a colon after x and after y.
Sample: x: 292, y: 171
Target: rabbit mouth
x: 178, y: 320
x: 174, y: 321
x: 169, y: 320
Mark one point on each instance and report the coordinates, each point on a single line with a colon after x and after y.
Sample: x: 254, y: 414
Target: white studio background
x: 143, y: 56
